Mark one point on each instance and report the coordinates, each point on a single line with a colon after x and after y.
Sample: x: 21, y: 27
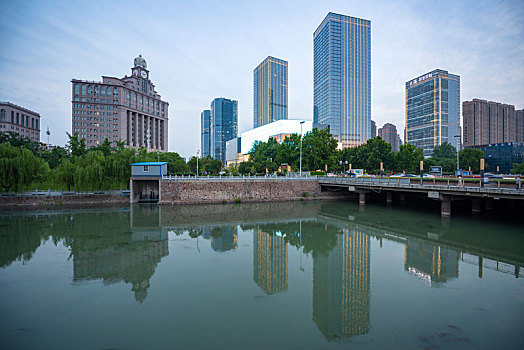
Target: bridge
x: 445, y: 191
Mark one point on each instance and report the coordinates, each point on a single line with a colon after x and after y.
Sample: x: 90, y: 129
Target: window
x: 96, y: 90
x: 27, y: 120
x: 109, y: 90
x: 36, y: 124
x: 83, y: 89
x: 77, y: 89
x: 89, y: 89
x: 102, y: 91
x: 128, y: 95
x: 134, y: 97
x: 146, y: 168
x: 141, y: 100
x: 2, y: 116
x: 17, y: 118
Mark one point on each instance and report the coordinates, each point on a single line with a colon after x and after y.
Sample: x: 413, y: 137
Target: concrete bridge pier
x: 389, y: 199
x: 445, y: 207
x: 362, y: 198
x: 402, y: 197
x: 476, y: 205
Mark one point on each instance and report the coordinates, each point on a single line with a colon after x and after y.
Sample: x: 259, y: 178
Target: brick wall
x: 248, y: 190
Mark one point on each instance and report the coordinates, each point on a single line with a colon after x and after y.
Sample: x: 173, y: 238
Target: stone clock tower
x: 140, y: 68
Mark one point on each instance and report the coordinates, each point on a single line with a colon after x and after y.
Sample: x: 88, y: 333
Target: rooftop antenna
x: 48, y: 133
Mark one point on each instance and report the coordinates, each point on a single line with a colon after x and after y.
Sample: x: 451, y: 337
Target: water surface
x: 317, y: 275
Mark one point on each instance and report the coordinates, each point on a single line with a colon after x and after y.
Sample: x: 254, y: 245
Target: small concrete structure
x: 146, y: 181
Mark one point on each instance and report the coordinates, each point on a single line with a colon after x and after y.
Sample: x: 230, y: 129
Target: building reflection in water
x: 131, y: 258
x: 341, y: 286
x: 269, y: 262
x: 223, y: 238
x: 430, y: 262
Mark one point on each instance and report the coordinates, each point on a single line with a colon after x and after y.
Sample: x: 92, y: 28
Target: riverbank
x: 62, y: 201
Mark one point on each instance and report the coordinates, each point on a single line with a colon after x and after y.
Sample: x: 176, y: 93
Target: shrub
x: 238, y: 200
x: 305, y: 194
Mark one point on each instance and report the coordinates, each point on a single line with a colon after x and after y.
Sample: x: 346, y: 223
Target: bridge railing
x: 237, y: 178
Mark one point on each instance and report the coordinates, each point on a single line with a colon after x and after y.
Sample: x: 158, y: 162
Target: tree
x: 444, y: 155
x: 318, y: 149
x: 76, y: 146
x: 19, y: 167
x: 518, y: 168
x: 408, y: 158
x: 65, y: 173
x: 246, y: 168
x: 470, y: 157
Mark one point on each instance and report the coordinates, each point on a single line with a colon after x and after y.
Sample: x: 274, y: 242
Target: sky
x: 199, y: 50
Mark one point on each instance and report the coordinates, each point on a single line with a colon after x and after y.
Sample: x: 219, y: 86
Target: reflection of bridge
x: 442, y: 191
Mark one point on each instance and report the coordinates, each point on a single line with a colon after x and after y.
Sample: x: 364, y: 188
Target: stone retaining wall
x: 68, y: 201
x: 248, y: 190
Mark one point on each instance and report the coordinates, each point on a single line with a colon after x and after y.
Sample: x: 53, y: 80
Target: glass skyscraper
x: 224, y: 126
x: 433, y: 110
x: 205, y: 132
x: 270, y: 91
x: 342, y: 77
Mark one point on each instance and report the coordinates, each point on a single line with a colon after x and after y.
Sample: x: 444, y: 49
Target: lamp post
x: 302, y: 122
x: 198, y: 152
x: 421, y: 171
x: 482, y: 172
x: 458, y: 167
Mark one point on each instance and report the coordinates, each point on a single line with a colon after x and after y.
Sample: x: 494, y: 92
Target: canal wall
x: 196, y: 191
x: 62, y: 201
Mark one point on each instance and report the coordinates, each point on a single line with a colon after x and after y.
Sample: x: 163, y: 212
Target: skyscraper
x: 127, y: 109
x: 342, y: 77
x: 270, y: 91
x: 224, y: 126
x: 205, y: 132
x: 389, y: 134
x: 433, y: 110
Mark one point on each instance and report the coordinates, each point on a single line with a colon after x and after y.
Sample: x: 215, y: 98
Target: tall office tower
x: 433, y: 110
x: 20, y: 120
x: 341, y: 286
x: 373, y: 130
x: 127, y: 109
x: 269, y: 262
x: 520, y: 125
x: 224, y: 126
x: 269, y: 91
x: 488, y: 122
x: 205, y: 132
x: 342, y: 78
x: 389, y: 134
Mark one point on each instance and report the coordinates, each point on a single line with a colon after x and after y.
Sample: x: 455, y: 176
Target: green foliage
x: 305, y: 194
x: 238, y: 200
x: 470, y: 157
x: 206, y: 165
x: 408, y: 158
x: 19, y: 167
x: 518, y: 168
x: 444, y: 155
x: 319, y: 148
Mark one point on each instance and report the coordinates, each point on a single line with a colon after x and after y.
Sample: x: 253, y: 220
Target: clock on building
x: 143, y: 74
x: 135, y: 72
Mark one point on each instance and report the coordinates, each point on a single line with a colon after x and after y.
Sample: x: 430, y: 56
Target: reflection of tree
x: 269, y: 262
x: 341, y: 287
x: 224, y: 238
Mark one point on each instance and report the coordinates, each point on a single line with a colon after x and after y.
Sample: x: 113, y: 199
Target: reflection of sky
x: 40, y: 54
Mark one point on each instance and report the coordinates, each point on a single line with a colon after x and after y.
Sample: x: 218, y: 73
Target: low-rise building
x: 20, y: 120
x: 237, y: 149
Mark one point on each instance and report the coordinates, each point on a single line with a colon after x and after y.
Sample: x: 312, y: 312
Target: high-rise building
x: 270, y: 91
x: 205, y: 132
x: 341, y: 286
x: 342, y: 77
x: 224, y: 126
x: 488, y: 122
x: 373, y: 130
x: 269, y: 262
x: 19, y: 120
x: 433, y: 110
x: 127, y: 109
x: 520, y: 125
x: 389, y: 134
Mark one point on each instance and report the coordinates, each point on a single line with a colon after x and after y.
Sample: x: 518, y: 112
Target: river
x: 294, y: 275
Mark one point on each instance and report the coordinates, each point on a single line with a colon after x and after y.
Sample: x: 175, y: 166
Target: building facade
x: 224, y: 126
x: 373, y: 130
x: 502, y: 156
x: 237, y: 149
x: 342, y: 78
x: 205, y: 132
x: 270, y: 95
x: 127, y: 109
x: 520, y: 125
x: 433, y: 110
x: 389, y: 134
x: 20, y: 120
x: 488, y: 122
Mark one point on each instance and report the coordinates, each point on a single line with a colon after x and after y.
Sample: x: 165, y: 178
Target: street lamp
x: 302, y: 122
x: 458, y: 139
x: 198, y: 152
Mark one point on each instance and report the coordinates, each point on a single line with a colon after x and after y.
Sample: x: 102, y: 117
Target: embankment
x: 62, y: 201
x: 194, y: 191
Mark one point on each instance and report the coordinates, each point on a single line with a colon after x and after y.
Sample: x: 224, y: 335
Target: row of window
x: 95, y: 90
x: 20, y: 119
